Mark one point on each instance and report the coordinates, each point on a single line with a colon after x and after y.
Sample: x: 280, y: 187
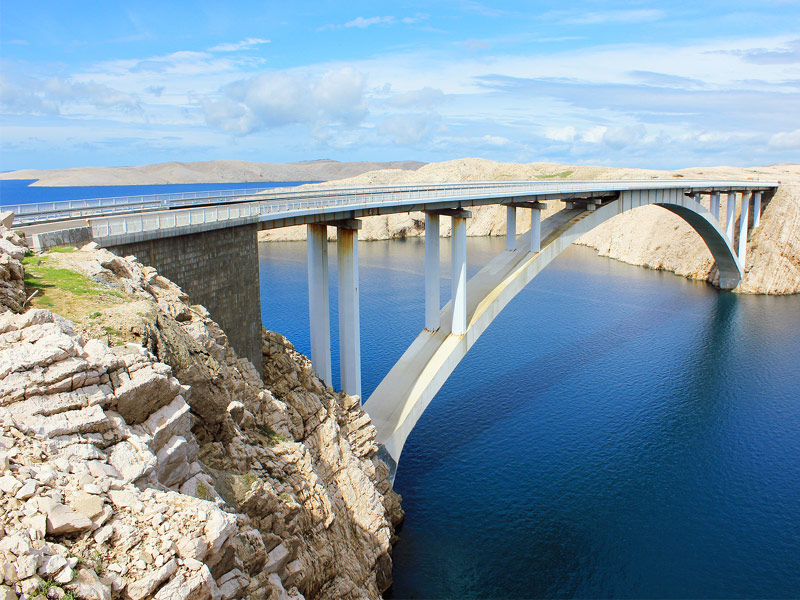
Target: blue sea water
x: 616, y: 432
x: 19, y: 191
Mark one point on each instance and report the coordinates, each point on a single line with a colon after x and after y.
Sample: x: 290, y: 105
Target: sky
x: 636, y: 83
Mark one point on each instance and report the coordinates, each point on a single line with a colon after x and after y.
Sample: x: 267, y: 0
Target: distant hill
x: 213, y: 171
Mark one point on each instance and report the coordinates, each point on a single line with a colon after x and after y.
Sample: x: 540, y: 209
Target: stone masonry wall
x: 218, y: 269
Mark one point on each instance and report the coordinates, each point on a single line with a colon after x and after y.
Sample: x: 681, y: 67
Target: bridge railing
x: 293, y: 204
x: 93, y: 207
x: 70, y: 209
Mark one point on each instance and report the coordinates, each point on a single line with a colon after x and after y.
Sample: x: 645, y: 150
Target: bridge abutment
x: 218, y: 269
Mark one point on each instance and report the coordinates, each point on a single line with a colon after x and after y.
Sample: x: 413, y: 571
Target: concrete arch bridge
x: 200, y: 246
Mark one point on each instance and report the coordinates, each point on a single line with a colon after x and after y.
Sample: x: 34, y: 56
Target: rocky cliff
x: 648, y: 236
x: 141, y: 458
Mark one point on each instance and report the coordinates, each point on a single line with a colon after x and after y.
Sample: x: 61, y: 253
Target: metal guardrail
x: 71, y: 209
x: 310, y: 202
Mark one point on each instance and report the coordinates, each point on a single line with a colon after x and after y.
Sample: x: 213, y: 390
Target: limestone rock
x: 61, y: 519
x: 92, y: 439
x: 144, y: 587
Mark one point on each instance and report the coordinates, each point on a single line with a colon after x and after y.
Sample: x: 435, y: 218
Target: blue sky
x: 661, y: 85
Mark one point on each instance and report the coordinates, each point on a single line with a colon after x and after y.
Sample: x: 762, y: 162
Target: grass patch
x: 43, y: 590
x: 203, y: 492
x: 272, y: 436
x: 560, y: 175
x: 64, y: 290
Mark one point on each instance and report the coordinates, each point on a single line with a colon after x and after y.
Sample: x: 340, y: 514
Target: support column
x: 318, y: 305
x: 349, y: 328
x: 458, y: 290
x: 756, y: 209
x: 743, y: 218
x: 536, y: 229
x: 714, y: 204
x: 433, y: 303
x: 511, y: 227
x: 730, y: 216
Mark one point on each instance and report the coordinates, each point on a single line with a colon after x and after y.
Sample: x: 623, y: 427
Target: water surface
x: 19, y: 191
x: 616, y: 432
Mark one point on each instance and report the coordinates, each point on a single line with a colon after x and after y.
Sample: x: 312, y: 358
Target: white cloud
x: 594, y: 134
x: 784, y: 54
x: 785, y: 140
x: 561, y: 134
x: 362, y: 23
x: 27, y: 95
x: 339, y: 95
x: 272, y: 100
x: 427, y: 97
x: 496, y: 141
x: 410, y: 128
x: 246, y: 44
x: 622, y: 137
x: 642, y: 15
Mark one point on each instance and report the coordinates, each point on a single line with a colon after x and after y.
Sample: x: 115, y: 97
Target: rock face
x: 165, y: 468
x: 12, y: 276
x: 648, y: 236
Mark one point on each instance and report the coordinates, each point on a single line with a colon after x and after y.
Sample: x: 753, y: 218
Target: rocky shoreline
x: 155, y: 463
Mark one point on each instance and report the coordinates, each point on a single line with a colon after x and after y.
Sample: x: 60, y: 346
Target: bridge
x: 208, y: 245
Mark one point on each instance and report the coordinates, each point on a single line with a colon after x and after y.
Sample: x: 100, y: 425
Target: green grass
x: 46, y: 586
x: 64, y: 290
x: 203, y: 492
x: 272, y: 436
x: 40, y: 276
x: 561, y: 175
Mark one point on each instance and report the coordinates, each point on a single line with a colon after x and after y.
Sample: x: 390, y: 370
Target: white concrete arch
x: 398, y: 402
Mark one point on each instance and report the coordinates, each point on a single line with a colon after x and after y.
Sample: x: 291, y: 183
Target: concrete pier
x: 744, y: 217
x: 756, y: 209
x: 433, y: 304
x: 536, y: 229
x: 318, y: 302
x: 731, y: 212
x: 714, y: 203
x: 511, y: 227
x: 349, y: 327
x: 458, y: 283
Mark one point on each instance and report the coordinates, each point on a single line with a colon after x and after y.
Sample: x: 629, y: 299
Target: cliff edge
x: 141, y: 458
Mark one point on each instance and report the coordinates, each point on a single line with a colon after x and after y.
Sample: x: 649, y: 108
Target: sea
x: 617, y: 432
x: 19, y: 191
